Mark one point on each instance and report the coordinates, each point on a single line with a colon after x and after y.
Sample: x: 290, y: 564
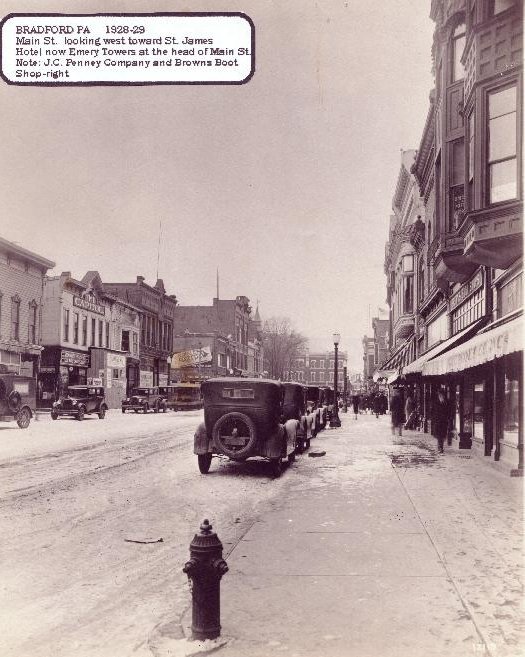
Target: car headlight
x: 56, y: 404
x: 74, y: 402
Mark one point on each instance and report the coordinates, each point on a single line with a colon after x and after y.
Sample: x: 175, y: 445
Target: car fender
x: 201, y: 441
x: 291, y: 427
x: 275, y: 445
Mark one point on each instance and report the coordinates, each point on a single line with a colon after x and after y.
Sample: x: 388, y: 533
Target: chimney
x: 140, y: 279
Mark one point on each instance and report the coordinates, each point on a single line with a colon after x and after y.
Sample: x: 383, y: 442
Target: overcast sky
x: 284, y: 184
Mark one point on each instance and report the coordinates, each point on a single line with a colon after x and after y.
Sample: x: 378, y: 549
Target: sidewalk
x: 381, y: 548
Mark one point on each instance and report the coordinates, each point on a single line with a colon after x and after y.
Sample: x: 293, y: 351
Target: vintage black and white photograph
x: 261, y: 333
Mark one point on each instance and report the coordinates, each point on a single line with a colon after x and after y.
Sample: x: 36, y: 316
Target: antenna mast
x: 158, y: 249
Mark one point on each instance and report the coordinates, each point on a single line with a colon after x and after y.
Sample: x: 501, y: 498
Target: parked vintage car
x: 80, y: 401
x: 145, y: 399
x: 243, y: 419
x: 294, y: 410
x: 314, y: 407
x: 17, y: 398
x: 182, y: 396
x: 328, y: 402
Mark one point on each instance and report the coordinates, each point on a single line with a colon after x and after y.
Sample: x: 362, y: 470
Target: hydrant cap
x: 206, y: 528
x: 206, y: 539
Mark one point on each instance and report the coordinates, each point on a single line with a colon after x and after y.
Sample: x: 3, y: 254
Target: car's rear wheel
x: 81, y: 413
x: 276, y: 467
x: 54, y: 415
x: 102, y: 413
x: 23, y: 418
x: 123, y: 410
x: 235, y: 435
x: 204, y: 462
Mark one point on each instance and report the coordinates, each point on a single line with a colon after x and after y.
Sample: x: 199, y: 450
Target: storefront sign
x: 89, y: 303
x: 74, y: 358
x: 48, y: 369
x: 511, y: 296
x: 146, y: 379
x: 467, y: 289
x: 163, y: 379
x: 118, y: 361
x: 480, y: 349
x: 94, y: 381
x: 191, y: 357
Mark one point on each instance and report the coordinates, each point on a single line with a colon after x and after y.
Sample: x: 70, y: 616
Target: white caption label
x: 127, y: 49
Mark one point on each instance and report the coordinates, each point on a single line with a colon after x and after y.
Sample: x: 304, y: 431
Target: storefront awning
x: 416, y: 366
x: 383, y: 374
x: 495, y: 341
x: 397, y: 359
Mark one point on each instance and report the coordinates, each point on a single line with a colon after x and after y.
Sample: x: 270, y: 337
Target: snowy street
x: 72, y: 493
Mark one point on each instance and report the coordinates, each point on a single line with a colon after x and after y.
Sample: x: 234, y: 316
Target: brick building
x: 22, y: 275
x: 467, y: 258
x: 157, y: 316
x: 88, y: 334
x: 318, y: 368
x: 230, y: 319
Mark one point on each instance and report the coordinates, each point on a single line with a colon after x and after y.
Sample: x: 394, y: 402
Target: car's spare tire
x: 235, y: 435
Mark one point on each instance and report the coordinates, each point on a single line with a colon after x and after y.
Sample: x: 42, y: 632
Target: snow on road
x: 71, y: 493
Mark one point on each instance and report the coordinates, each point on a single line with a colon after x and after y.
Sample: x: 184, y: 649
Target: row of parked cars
x: 18, y: 399
x: 246, y: 418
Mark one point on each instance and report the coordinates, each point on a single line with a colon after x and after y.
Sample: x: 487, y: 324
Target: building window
x: 421, y: 281
x: 457, y: 182
x: 135, y: 344
x: 502, y: 157
x: 471, y: 153
x: 312, y: 376
x: 468, y: 312
x: 93, y: 330
x: 408, y: 263
x: 312, y: 363
x: 66, y: 325
x: 100, y: 333
x: 76, y: 320
x: 408, y: 294
x: 107, y: 336
x: 84, y: 331
x: 498, y: 6
x: 15, y: 317
x: 458, y: 45
x: 143, y: 329
x: 31, y: 328
x: 321, y: 377
x: 437, y: 330
x: 510, y: 296
x: 124, y: 343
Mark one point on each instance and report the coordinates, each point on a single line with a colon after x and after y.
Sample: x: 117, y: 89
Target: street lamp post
x: 334, y: 420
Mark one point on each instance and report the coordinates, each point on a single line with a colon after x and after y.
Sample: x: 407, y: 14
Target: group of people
x: 375, y: 402
x: 405, y: 414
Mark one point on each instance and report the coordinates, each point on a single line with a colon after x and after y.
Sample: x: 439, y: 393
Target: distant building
x: 88, y: 336
x: 22, y: 275
x: 157, y: 317
x: 317, y: 368
x: 233, y: 337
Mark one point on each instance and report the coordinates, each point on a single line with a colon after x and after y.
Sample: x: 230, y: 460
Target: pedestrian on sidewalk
x: 410, y: 407
x: 355, y: 405
x: 377, y: 404
x: 397, y: 412
x: 440, y: 420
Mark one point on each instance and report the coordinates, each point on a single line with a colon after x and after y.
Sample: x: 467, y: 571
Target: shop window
x: 457, y: 181
x: 66, y: 325
x: 84, y: 331
x: 478, y: 411
x: 93, y: 330
x: 502, y: 152
x: 512, y: 397
x: 458, y: 45
x: 76, y: 320
x: 31, y: 328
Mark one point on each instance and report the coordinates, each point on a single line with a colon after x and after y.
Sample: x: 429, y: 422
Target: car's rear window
x: 238, y: 393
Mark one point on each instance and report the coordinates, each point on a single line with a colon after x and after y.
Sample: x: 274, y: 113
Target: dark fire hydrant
x: 205, y: 570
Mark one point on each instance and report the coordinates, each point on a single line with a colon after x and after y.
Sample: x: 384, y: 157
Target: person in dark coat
x: 377, y: 404
x: 397, y: 412
x: 440, y: 419
x: 355, y: 405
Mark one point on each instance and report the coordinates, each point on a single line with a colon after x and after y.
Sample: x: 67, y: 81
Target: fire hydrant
x: 205, y: 570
